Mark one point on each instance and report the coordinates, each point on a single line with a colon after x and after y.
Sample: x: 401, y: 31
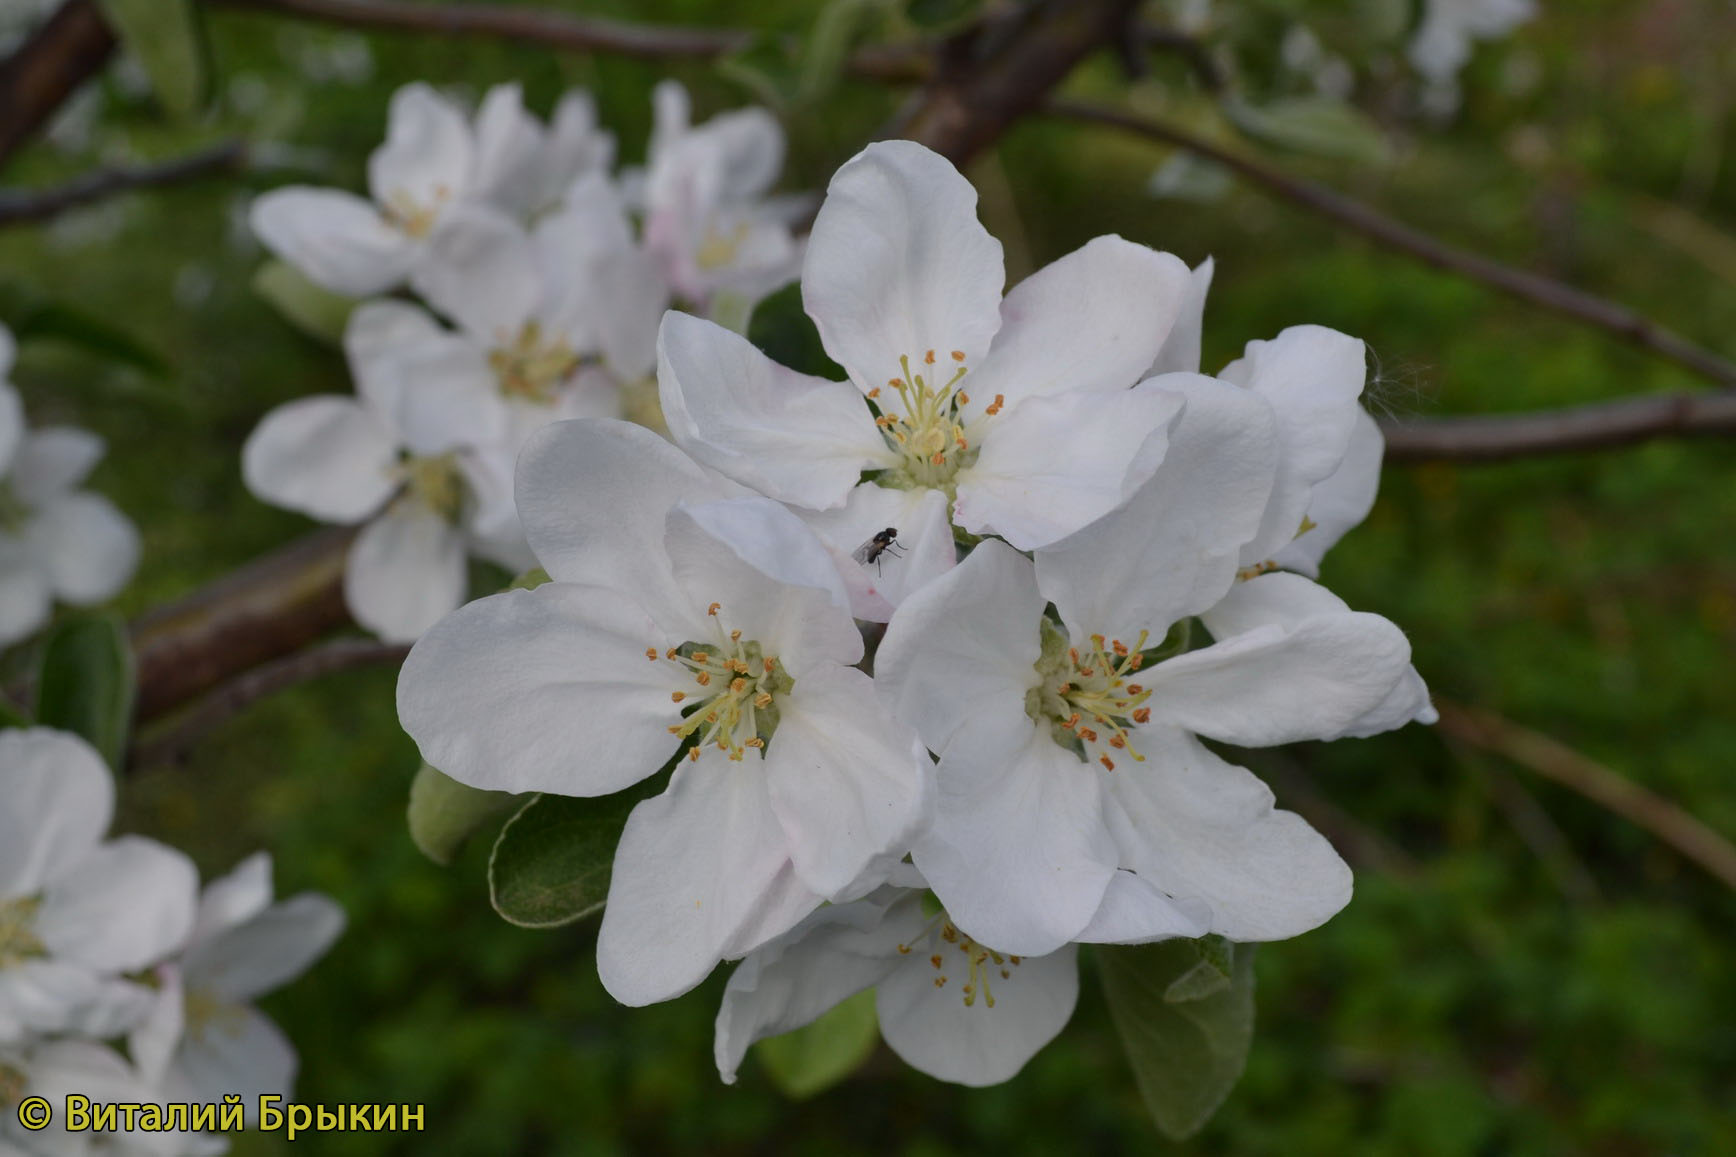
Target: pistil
x: 735, y: 707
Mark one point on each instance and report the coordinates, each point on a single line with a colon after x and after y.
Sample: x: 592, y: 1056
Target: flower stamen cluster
x: 1087, y: 697
x: 404, y: 213
x: 435, y: 481
x: 739, y: 684
x: 981, y: 961
x: 928, y: 434
x: 18, y: 940
x: 530, y: 366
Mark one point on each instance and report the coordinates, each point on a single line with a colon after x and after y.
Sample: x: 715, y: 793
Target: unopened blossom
x: 204, y: 1038
x: 953, y: 1008
x: 1075, y: 799
x: 684, y: 616
x: 77, y: 910
x: 1025, y: 417
x: 421, y: 492
x: 57, y: 1069
x: 709, y: 217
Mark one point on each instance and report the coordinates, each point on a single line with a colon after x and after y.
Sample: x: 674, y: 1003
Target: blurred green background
x: 1520, y: 971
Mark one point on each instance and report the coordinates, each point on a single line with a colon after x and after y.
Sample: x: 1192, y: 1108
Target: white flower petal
x: 1340, y: 501
x: 627, y: 303
x: 1407, y: 702
x: 1093, y: 320
x: 25, y: 600
x: 325, y: 456
x: 1171, y: 551
x: 125, y: 906
x: 542, y: 690
x: 11, y: 408
x: 52, y: 460
x: 751, y: 142
x: 923, y: 547
x: 377, y: 338
x: 265, y: 953
x: 481, y: 271
x: 450, y: 397
x: 59, y: 800
x: 507, y: 142
x: 87, y: 547
x: 338, y: 240
x: 404, y: 572
x: 693, y: 866
x: 234, y: 899
x: 1136, y: 911
x: 1203, y: 829
x: 1054, y: 464
x: 799, y: 439
x: 426, y: 156
x: 47, y: 996
x: 237, y: 1051
x: 898, y: 264
x: 935, y: 1031
x: 1181, y: 349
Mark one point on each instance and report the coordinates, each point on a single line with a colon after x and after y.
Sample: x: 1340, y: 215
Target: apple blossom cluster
x: 1093, y: 561
x: 545, y: 275
x: 119, y: 979
x: 57, y: 542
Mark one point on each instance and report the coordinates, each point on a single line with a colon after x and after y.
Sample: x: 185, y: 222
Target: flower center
x: 435, y: 481
x: 720, y: 246
x: 735, y: 707
x: 529, y: 366
x: 979, y: 966
x: 409, y: 216
x: 18, y: 940
x: 12, y: 1085
x: 1086, y: 696
x: 928, y: 433
x: 205, y: 1011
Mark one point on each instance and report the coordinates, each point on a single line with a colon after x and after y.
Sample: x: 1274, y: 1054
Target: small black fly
x: 885, y: 542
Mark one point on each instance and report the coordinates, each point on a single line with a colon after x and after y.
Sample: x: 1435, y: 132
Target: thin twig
x: 564, y: 31
x: 20, y: 205
x: 173, y: 739
x: 1595, y: 426
x: 1370, y: 222
x: 1555, y: 760
x: 71, y: 47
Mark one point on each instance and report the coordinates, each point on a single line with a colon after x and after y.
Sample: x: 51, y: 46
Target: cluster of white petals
x: 1092, y: 560
x: 546, y: 276
x: 105, y: 940
x: 57, y: 542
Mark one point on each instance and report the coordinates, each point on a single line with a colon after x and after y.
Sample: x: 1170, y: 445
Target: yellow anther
x: 874, y: 393
x: 735, y: 636
x: 651, y: 653
x: 677, y: 696
x: 713, y: 608
x: 703, y: 678
x: 1143, y: 715
x: 958, y: 355
x: 994, y: 407
x: 929, y: 357
x: 1106, y: 762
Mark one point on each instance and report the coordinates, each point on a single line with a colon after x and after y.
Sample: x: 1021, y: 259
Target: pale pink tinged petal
x: 507, y: 151
x: 52, y: 460
x: 338, y: 240
x: 1171, y: 551
x: 267, y: 952
x: 1312, y: 376
x: 770, y: 576
x: 377, y: 339
x: 1181, y: 349
x: 960, y: 654
x: 593, y: 496
x: 1017, y: 849
x: 59, y: 800
x: 1053, y: 465
x: 922, y: 550
x: 324, y: 456
x: 450, y: 398
x: 898, y: 264
x: 427, y: 154
x: 404, y: 572
x: 821, y: 962
x: 628, y: 312
x: 234, y: 899
x: 849, y: 784
x: 693, y: 866
x: 239, y: 1050
x: 481, y: 271
x: 799, y: 439
x: 1137, y: 911
x: 25, y: 600
x: 751, y: 143
x: 1093, y: 320
x: 764, y: 258
x: 123, y: 907
x: 1281, y: 682
x: 1206, y: 830
x: 543, y: 690
x: 11, y: 409
x: 87, y: 547
x: 1340, y: 501
x: 934, y: 1030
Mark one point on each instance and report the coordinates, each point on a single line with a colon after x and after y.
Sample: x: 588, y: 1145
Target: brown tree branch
x: 1595, y: 426
x: 69, y: 49
x: 1555, y: 760
x: 21, y: 205
x: 1535, y: 288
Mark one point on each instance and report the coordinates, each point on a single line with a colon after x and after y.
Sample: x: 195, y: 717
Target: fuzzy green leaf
x: 552, y: 860
x: 443, y: 813
x: 1317, y: 125
x: 86, y: 682
x: 317, y: 312
x: 165, y: 37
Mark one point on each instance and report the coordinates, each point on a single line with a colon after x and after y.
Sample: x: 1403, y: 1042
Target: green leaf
x: 317, y: 312
x: 1184, y: 1010
x: 1318, y: 125
x: 165, y: 36
x: 813, y: 1058
x: 12, y: 715
x: 552, y: 860
x: 443, y: 813
x: 30, y: 316
x: 836, y: 29
x: 85, y: 684
x: 933, y: 14
x: 763, y: 66
x: 786, y: 334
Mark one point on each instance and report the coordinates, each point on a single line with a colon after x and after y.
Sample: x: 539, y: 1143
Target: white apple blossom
x: 424, y: 492
x: 1074, y: 800
x: 708, y: 216
x: 204, y: 1039
x: 523, y: 167
x: 77, y: 911
x: 682, y: 611
x: 951, y: 1007
x: 1442, y: 42
x: 57, y: 1069
x: 1024, y: 417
